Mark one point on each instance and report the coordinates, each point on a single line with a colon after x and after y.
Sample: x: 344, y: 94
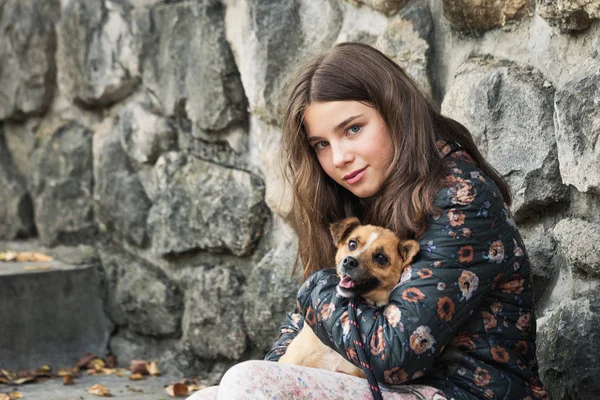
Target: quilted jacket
x: 461, y: 318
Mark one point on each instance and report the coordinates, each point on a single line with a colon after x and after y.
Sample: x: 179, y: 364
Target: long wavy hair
x: 354, y: 71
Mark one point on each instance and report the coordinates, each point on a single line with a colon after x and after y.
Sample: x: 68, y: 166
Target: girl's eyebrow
x: 337, y: 128
x: 346, y: 121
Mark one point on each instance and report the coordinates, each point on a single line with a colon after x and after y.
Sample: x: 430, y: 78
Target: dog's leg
x: 346, y: 367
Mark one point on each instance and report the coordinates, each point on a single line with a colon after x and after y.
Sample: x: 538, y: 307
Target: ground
x: 120, y: 388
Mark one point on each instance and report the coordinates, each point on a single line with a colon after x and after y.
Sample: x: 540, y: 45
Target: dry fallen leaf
x: 99, y: 390
x: 9, y: 374
x: 25, y: 256
x: 17, y: 378
x: 68, y: 371
x: 136, y: 377
x: 177, y: 389
x: 111, y: 361
x: 83, y: 363
x: 153, y: 369
x: 97, y: 364
x: 8, y: 256
x: 35, y: 257
x: 139, y: 366
x: 135, y: 390
x: 21, y: 381
x: 15, y: 395
x: 67, y: 379
x: 4, y: 396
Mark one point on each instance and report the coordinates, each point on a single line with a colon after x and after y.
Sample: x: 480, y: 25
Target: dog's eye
x: 352, y: 245
x: 380, y: 259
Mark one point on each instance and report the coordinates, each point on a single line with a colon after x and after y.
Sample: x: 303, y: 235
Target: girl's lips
x: 355, y: 177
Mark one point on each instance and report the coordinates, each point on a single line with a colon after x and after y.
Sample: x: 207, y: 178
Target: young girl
x: 361, y: 139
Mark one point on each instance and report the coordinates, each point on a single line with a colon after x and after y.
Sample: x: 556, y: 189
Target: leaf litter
x: 96, y: 366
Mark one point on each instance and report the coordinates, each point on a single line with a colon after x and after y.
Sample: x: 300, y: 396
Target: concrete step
x: 51, y: 313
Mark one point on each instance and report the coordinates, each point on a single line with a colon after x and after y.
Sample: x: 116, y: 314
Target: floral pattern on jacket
x: 461, y: 319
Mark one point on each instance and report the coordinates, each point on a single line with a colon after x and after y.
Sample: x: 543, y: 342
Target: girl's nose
x: 341, y: 155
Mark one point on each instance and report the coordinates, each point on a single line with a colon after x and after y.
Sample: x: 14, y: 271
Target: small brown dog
x: 369, y: 261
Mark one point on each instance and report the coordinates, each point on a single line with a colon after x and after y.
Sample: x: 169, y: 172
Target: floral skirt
x: 258, y: 380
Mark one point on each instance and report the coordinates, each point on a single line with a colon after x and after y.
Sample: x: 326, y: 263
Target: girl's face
x: 352, y: 143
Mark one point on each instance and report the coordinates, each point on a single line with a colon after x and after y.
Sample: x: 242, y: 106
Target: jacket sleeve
x: 287, y: 332
x: 461, y: 257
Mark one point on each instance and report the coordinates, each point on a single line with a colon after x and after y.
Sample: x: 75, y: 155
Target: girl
x: 360, y: 138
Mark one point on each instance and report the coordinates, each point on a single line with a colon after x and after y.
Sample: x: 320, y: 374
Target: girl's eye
x: 352, y: 245
x: 354, y: 129
x: 320, y: 145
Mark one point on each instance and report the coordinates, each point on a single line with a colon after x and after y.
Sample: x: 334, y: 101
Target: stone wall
x: 148, y: 131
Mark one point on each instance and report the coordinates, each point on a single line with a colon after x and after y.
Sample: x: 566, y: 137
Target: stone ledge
x: 50, y: 316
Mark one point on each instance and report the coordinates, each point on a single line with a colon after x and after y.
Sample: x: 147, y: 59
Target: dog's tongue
x: 347, y: 282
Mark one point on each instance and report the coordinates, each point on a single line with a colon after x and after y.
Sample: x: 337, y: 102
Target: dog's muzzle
x: 349, y: 263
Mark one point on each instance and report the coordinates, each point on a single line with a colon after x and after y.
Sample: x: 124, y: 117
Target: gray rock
x: 62, y: 186
x: 213, y: 309
x: 144, y: 132
x: 120, y: 202
x: 265, y: 153
x: 271, y: 292
x: 541, y: 248
x: 27, y: 47
x: 203, y: 206
x: 568, y: 344
x: 578, y: 129
x: 139, y: 296
x: 491, y: 98
x: 403, y: 44
x: 16, y: 207
x: 186, y: 61
x: 419, y: 14
x: 579, y: 241
x: 270, y: 37
x: 476, y: 16
x: 95, y: 52
x: 387, y: 7
x: 584, y: 205
x: 20, y: 138
x: 363, y: 25
x: 569, y: 15
x: 229, y: 148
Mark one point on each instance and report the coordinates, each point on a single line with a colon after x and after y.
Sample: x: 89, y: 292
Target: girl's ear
x: 408, y: 249
x: 341, y: 229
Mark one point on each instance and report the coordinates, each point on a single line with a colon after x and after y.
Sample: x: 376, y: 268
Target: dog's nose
x: 349, y: 263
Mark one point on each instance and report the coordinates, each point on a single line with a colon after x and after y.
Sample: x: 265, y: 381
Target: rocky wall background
x: 145, y: 133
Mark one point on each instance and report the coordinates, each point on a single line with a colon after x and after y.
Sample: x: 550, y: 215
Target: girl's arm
x: 465, y: 251
x: 287, y: 332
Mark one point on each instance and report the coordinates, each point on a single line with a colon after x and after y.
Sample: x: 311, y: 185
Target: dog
x: 369, y: 261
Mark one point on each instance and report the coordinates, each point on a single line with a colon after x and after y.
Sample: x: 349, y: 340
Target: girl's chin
x: 363, y: 193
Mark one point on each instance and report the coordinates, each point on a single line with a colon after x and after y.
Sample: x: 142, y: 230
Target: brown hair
x: 354, y: 71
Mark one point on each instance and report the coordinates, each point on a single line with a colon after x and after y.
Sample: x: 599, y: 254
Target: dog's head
x: 369, y: 259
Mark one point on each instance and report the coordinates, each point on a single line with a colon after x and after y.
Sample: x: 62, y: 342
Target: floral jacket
x: 462, y: 317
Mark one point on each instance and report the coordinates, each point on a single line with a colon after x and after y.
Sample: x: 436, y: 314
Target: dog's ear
x: 341, y: 229
x: 408, y: 249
